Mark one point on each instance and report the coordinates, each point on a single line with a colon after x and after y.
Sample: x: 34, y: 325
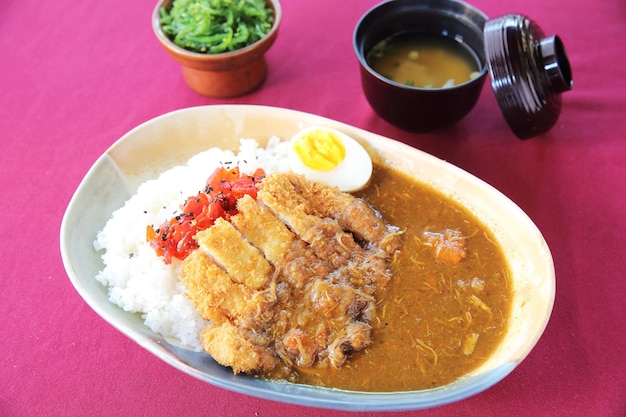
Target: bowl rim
x: 116, y: 156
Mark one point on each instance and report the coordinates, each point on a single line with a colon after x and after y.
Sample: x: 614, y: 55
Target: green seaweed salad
x: 215, y: 26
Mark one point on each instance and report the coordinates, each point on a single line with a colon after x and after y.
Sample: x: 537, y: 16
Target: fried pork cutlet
x: 262, y: 229
x: 239, y: 348
x: 243, y: 262
x: 352, y: 214
x: 292, y: 282
x: 220, y: 299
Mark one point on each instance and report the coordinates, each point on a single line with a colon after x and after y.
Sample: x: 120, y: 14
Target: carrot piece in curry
x: 448, y: 246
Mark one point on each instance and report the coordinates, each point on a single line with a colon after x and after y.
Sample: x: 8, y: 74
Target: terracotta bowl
x: 412, y: 108
x: 228, y: 74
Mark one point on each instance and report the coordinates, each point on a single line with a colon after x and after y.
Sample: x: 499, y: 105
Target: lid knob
x: 556, y: 64
x: 528, y: 73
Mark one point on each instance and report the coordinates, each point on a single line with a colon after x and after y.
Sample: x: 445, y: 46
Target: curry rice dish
x: 313, y: 303
x: 393, y: 288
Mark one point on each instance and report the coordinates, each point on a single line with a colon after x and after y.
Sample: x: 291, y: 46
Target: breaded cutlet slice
x: 352, y: 214
x: 215, y: 296
x: 279, y: 194
x: 263, y: 229
x: 231, y: 346
x: 243, y: 262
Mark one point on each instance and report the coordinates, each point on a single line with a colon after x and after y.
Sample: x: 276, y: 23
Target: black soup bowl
x: 413, y: 108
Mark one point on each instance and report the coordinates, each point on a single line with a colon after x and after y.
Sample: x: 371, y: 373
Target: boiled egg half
x: 330, y: 156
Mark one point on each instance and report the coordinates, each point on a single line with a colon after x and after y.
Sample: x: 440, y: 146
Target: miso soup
x: 424, y: 61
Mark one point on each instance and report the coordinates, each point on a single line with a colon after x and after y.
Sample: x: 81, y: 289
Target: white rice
x: 137, y: 279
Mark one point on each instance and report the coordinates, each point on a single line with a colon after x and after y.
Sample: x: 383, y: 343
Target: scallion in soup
x: 424, y: 61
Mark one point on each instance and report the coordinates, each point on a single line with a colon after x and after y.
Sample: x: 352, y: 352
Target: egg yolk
x: 320, y: 150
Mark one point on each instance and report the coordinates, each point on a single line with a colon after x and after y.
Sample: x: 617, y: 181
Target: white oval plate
x: 171, y: 139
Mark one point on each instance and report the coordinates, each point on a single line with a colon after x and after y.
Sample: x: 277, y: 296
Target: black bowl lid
x: 528, y: 73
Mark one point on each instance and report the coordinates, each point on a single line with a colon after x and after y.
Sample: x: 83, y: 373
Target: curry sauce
x: 435, y: 320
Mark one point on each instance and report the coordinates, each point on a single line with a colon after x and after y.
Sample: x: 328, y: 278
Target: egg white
x: 351, y: 174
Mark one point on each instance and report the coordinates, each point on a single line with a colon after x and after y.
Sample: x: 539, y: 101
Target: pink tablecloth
x: 75, y: 76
